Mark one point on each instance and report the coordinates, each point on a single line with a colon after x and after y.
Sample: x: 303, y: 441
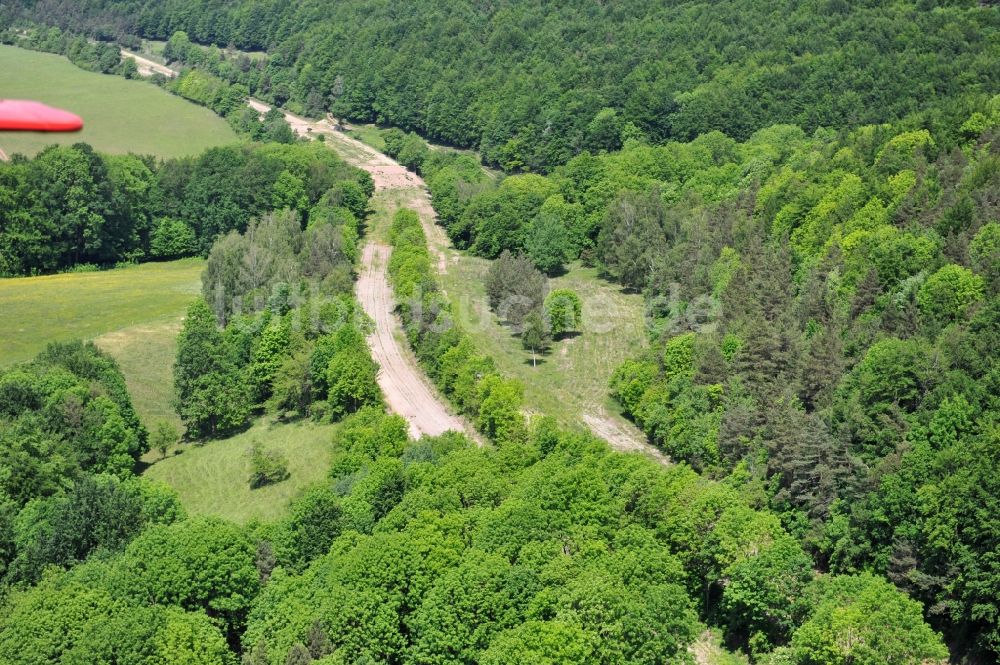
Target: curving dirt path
x: 147, y: 67
x: 400, y: 367
x: 404, y: 384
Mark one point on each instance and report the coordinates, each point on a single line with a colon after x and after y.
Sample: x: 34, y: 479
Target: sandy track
x: 147, y: 67
x: 622, y: 436
x: 404, y: 384
x: 388, y: 174
x: 406, y: 390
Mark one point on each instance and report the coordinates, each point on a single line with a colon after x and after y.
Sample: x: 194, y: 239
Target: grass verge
x: 572, y: 378
x: 213, y: 478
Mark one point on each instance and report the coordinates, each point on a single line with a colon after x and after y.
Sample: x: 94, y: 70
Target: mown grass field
x: 119, y: 116
x: 572, y: 378
x: 134, y: 313
x: 212, y: 478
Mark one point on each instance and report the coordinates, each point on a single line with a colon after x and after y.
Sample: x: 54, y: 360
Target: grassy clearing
x: 134, y: 313
x: 153, y: 49
x: 212, y: 479
x: 572, y: 378
x: 146, y: 354
x: 119, y: 116
x: 370, y: 135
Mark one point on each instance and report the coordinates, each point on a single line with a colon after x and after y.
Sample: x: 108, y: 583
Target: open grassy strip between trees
x: 119, y: 116
x: 821, y: 359
x: 571, y: 377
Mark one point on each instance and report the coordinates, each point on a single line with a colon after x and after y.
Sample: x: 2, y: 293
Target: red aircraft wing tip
x: 30, y: 116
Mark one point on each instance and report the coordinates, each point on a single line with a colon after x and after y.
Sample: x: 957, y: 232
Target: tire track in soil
x: 408, y: 392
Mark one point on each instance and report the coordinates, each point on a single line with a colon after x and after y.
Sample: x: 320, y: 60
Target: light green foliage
x: 269, y: 350
x: 536, y: 336
x: 564, y: 311
x: 190, y: 638
x: 468, y: 606
x: 678, y: 357
x: 351, y: 379
x: 547, y: 242
x: 75, y: 618
x: 498, y: 219
x: 211, y: 395
x: 903, y: 149
x: 266, y: 466
x: 984, y: 250
x: 631, y: 380
x: 201, y: 563
x: 763, y: 594
x: 499, y: 410
x: 865, y: 620
x: 289, y: 192
x: 172, y: 239
x: 199, y: 86
x: 949, y: 292
x: 412, y: 152
x: 542, y: 642
x: 723, y: 269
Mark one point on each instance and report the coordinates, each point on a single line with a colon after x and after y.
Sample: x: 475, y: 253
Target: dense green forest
x: 70, y: 205
x: 533, y: 84
x: 547, y: 546
x: 823, y: 318
x: 807, y: 196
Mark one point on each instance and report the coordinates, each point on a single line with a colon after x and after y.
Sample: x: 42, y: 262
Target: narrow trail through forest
x: 407, y: 390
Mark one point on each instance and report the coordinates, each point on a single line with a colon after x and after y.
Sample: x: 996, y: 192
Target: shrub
x: 266, y: 466
x: 564, y: 311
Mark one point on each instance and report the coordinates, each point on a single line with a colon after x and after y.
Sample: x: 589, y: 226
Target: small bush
x: 266, y: 467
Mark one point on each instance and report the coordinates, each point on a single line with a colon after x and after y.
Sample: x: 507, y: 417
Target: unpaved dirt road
x: 147, y: 67
x: 406, y: 388
x: 621, y: 435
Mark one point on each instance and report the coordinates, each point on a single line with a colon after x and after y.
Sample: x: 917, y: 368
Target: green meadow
x: 571, y: 379
x: 213, y: 478
x: 134, y: 313
x: 120, y: 116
